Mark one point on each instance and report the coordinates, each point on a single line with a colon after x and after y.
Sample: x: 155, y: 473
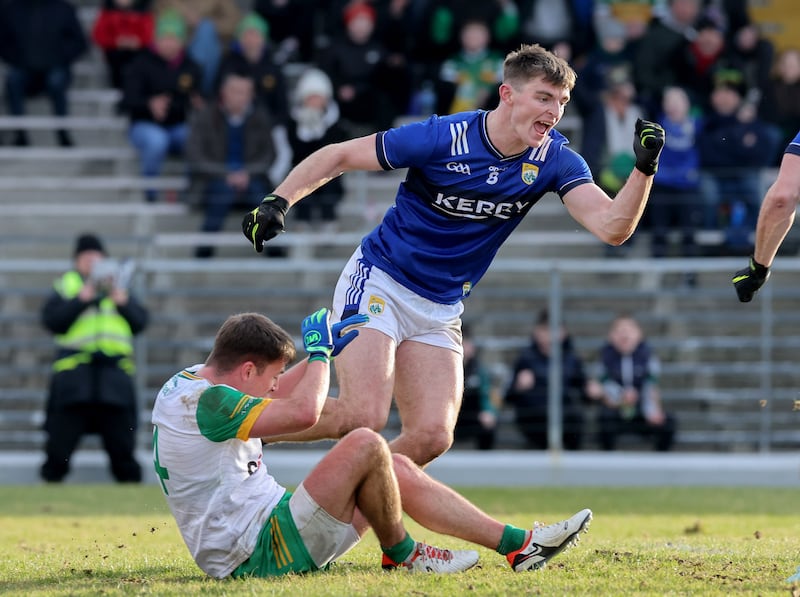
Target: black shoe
x: 64, y: 139
x: 21, y: 139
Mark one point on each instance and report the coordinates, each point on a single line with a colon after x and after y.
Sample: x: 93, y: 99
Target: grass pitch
x: 121, y: 540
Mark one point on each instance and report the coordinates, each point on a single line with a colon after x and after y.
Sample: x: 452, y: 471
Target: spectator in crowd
x: 437, y: 24
x: 704, y: 58
x: 633, y: 16
x: 94, y: 319
x: 211, y: 28
x: 238, y: 521
x: 477, y: 418
x: 781, y: 103
x: 229, y: 149
x: 675, y: 197
x: 732, y: 136
x: 253, y: 55
x: 39, y: 42
x: 315, y: 123
x: 663, y: 60
x: 122, y: 30
x: 355, y: 63
x: 557, y: 25
x: 292, y: 27
x: 753, y: 55
x: 630, y: 401
x: 162, y: 85
x: 528, y: 392
x: 613, y: 53
x: 469, y: 79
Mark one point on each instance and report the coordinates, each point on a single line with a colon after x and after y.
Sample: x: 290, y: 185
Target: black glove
x: 748, y: 280
x: 647, y: 145
x: 265, y: 221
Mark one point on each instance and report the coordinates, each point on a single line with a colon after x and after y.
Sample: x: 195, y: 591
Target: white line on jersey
x: 458, y: 134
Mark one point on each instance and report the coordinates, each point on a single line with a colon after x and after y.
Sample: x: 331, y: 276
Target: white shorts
x: 393, y: 309
x: 325, y: 537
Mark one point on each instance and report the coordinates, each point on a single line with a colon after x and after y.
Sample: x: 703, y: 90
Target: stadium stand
x: 729, y: 370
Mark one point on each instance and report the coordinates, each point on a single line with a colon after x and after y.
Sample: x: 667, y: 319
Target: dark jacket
x: 101, y: 380
x: 206, y: 148
x: 149, y: 75
x: 40, y: 34
x: 573, y: 382
x: 636, y: 370
x: 723, y: 144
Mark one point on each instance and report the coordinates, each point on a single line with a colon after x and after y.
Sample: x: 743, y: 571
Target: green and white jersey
x: 212, y: 475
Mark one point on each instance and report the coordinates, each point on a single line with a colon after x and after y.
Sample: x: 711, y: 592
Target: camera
x: 108, y: 273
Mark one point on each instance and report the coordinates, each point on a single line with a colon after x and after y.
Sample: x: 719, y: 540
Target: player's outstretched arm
x: 266, y: 221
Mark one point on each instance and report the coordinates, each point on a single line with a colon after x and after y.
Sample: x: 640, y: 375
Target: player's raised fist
x: 648, y: 141
x: 266, y: 221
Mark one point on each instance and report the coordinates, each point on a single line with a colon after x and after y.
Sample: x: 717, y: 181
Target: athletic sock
x: 513, y: 539
x: 400, y: 552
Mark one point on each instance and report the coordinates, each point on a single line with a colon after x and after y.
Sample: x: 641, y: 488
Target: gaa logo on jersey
x: 529, y: 173
x: 376, y: 305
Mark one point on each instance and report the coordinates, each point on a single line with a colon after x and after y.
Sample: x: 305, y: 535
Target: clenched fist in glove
x: 266, y: 221
x: 648, y: 142
x: 748, y: 280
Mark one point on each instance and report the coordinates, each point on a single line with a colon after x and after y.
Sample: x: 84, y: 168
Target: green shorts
x: 279, y: 549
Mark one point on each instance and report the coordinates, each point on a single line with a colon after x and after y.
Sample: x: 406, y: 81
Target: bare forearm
x: 774, y: 222
x: 627, y: 208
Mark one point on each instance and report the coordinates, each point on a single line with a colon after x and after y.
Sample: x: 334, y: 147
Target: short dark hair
x: 531, y: 61
x: 250, y: 337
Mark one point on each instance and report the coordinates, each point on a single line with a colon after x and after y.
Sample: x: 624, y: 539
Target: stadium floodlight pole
x: 554, y: 389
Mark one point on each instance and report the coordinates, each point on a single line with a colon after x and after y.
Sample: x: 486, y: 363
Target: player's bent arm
x: 778, y: 210
x: 613, y: 221
x: 298, y: 410
x: 326, y: 164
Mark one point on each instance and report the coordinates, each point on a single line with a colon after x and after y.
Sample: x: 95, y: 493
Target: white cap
x: 313, y: 82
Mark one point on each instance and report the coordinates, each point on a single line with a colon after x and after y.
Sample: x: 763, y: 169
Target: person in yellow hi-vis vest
x: 94, y: 319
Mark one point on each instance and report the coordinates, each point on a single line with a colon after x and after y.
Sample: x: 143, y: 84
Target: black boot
x: 21, y: 139
x: 64, y: 138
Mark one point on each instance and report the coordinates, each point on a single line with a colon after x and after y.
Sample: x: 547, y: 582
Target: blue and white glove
x: 345, y: 331
x: 317, y: 336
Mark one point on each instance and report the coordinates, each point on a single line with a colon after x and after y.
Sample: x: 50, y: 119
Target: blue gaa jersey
x: 460, y: 200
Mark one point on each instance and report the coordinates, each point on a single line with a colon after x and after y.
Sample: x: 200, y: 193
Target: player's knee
x: 368, y: 444
x: 428, y: 443
x: 361, y: 418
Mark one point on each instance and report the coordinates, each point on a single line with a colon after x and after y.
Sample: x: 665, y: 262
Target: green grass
x: 121, y: 540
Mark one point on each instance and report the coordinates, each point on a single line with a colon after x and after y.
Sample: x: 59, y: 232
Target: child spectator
x: 469, y: 80
x: 675, y: 197
x: 631, y: 400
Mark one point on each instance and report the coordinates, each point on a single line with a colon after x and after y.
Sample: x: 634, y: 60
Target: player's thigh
x: 429, y: 384
x: 333, y: 482
x: 365, y: 375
